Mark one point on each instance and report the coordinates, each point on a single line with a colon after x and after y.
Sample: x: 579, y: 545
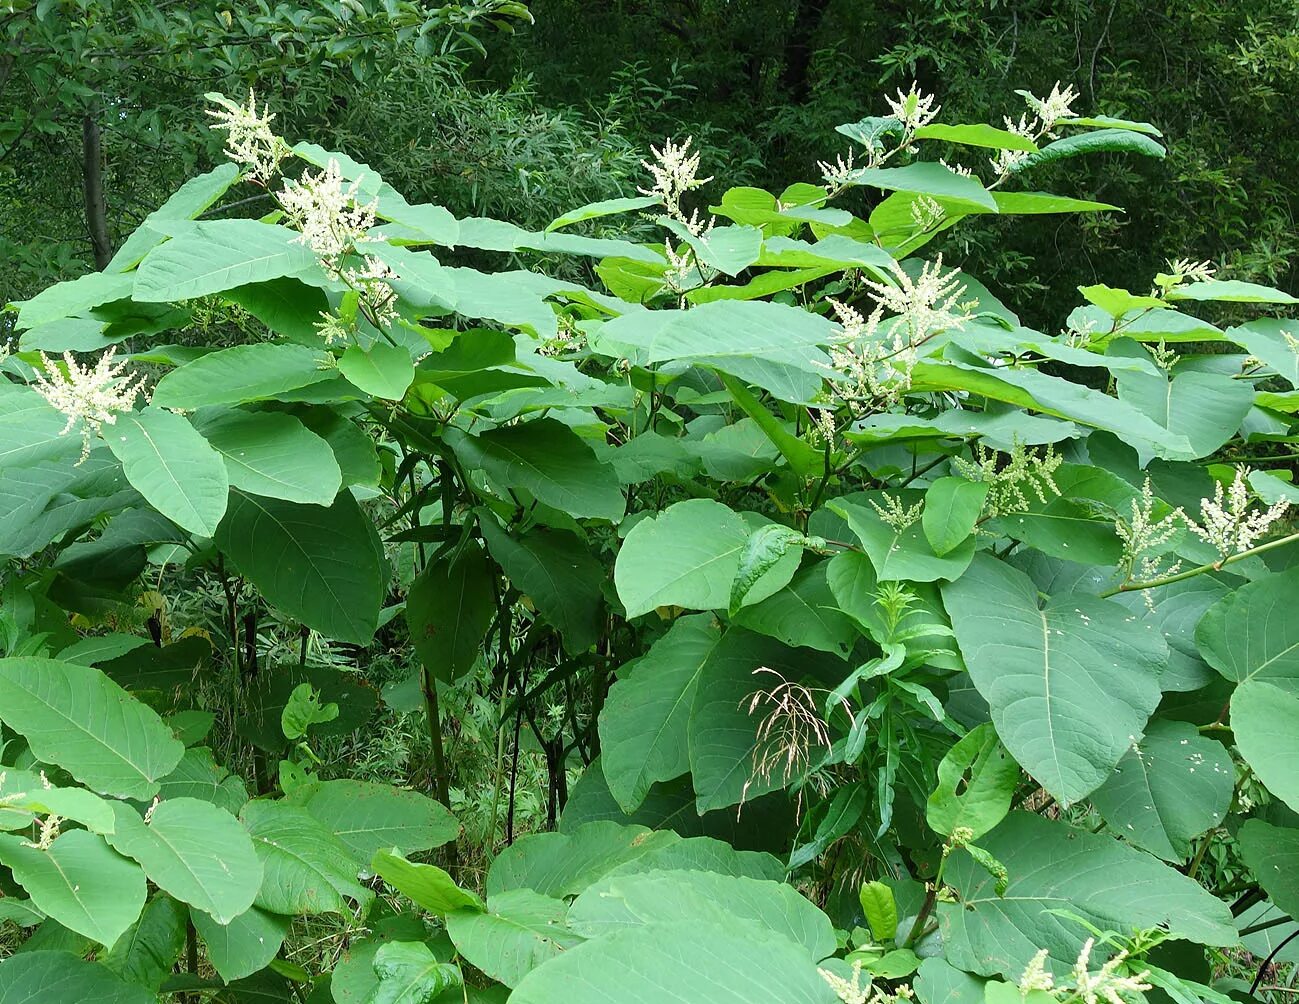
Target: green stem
x: 1213, y: 566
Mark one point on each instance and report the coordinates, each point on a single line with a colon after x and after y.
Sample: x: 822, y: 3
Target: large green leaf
x: 194, y: 851
x: 242, y: 373
x: 1268, y: 339
x: 519, y: 931
x: 245, y: 945
x: 976, y: 135
x: 382, y: 370
x: 148, y: 951
x: 804, y: 613
x: 661, y: 897
x: 1100, y: 141
x: 976, y: 781
x: 902, y: 555
x: 1052, y: 867
x: 272, y: 454
x: 80, y: 882
x: 929, y: 178
x: 1263, y: 718
x: 306, y: 868
x: 1167, y: 790
x: 1230, y: 291
x: 448, y: 610
x: 211, y: 257
x: 425, y: 885
x: 548, y: 459
x: 409, y: 973
x: 76, y: 296
x: 173, y: 467
x: 694, y: 961
x: 30, y: 430
x: 1272, y: 853
x: 369, y: 817
x: 688, y: 556
x: 187, y: 202
x: 42, y: 977
x: 198, y: 776
x: 1251, y: 633
x: 644, y: 724
x: 1070, y: 685
x: 563, y: 864
x: 324, y: 566
x: 76, y: 717
x: 557, y: 571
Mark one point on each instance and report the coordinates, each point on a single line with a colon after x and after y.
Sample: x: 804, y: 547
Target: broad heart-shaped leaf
x: 324, y: 566
x: 804, y: 613
x: 80, y: 881
x: 548, y: 459
x: 1206, y: 408
x: 381, y: 370
x: 661, y: 897
x: 563, y: 864
x: 688, y: 556
x: 146, y: 953
x: 448, y: 610
x: 77, y: 718
x: 1252, y: 633
x: 30, y: 430
x: 213, y: 256
x: 306, y: 869
x: 1272, y: 853
x: 242, y: 373
x: 556, y: 570
x: 272, y: 454
x: 519, y: 931
x: 1052, y: 866
x: 369, y: 817
x: 905, y: 555
x: 605, y: 207
x: 646, y: 715
x: 425, y: 885
x: 188, y: 201
x: 172, y: 466
x: 194, y: 851
x: 1263, y: 718
x: 977, y: 135
x: 687, y: 961
x: 198, y: 776
x: 75, y: 296
x: 952, y: 507
x: 1168, y: 790
x: 409, y: 973
x: 976, y: 781
x: 1070, y: 685
x: 42, y: 977
x: 1267, y: 338
x: 245, y: 945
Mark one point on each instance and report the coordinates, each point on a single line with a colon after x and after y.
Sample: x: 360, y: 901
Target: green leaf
x: 976, y: 781
x: 172, y: 466
x: 556, y: 570
x: 1268, y: 339
x: 1052, y: 867
x: 76, y: 296
x: 146, y: 953
x: 306, y: 868
x: 1108, y: 122
x: 245, y: 945
x: 40, y: 977
x: 1262, y: 719
x: 272, y: 454
x: 547, y: 459
x: 880, y: 909
x: 643, y: 727
x: 448, y: 610
x: 802, y: 457
x: 605, y: 207
x: 1117, y: 302
x: 1070, y: 685
x: 952, y: 507
x: 1272, y: 854
x: 903, y: 555
x: 79, y: 882
x: 369, y: 817
x: 1022, y: 203
x: 381, y: 370
x: 976, y: 135
x: 303, y: 710
x: 1230, y: 291
x: 661, y: 897
x: 425, y: 885
x: 188, y: 201
x: 766, y: 546
x: 26, y: 794
x: 1250, y: 634
x: 76, y: 717
x: 563, y: 864
x: 324, y: 566
x: 929, y: 178
x: 520, y: 930
x: 689, y: 556
x: 410, y: 974
x: 194, y: 851
x: 694, y: 961
x: 211, y: 257
x: 1101, y: 141
x: 1168, y: 790
x: 240, y: 374
x: 198, y: 776
x: 804, y: 613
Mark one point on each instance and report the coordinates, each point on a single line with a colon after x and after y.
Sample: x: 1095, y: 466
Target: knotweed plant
x: 1229, y: 520
x: 250, y: 140
x: 90, y: 396
x: 1012, y: 477
x: 1112, y: 983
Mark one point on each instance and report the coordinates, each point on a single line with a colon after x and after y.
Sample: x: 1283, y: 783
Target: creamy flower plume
x: 331, y: 217
x: 250, y: 140
x: 675, y: 170
x: 914, y: 108
x: 92, y: 396
x: 925, y: 304
x: 1054, y: 108
x: 1227, y: 520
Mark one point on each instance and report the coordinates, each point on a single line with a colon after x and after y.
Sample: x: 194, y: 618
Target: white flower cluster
x: 913, y: 109
x: 898, y: 517
x: 1009, y: 482
x: 1184, y: 270
x: 250, y: 140
x: 331, y: 218
x: 1107, y: 984
x: 1226, y: 520
x: 928, y: 304
x: 1053, y: 108
x: 1047, y: 113
x: 675, y: 170
x: 854, y: 991
x: 840, y: 174
x: 1142, y: 534
x: 93, y: 396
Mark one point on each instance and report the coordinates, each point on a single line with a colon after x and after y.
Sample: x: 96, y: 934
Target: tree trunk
x: 798, y: 50
x: 92, y: 171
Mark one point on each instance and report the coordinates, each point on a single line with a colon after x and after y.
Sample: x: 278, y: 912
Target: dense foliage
x: 864, y: 642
